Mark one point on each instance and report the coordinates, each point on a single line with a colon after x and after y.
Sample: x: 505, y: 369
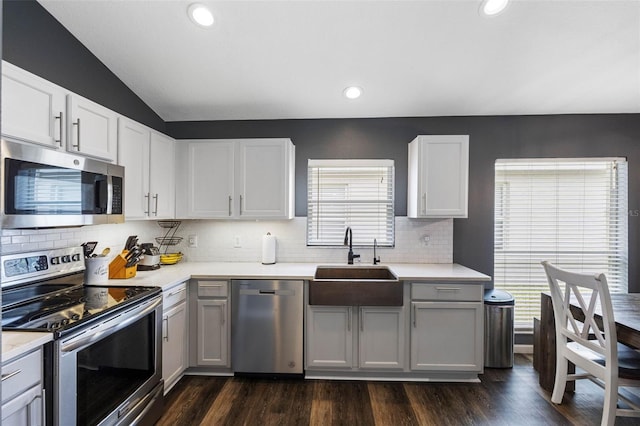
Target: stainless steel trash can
x: 498, y: 328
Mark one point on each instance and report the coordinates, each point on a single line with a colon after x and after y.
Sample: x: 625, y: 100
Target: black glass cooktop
x: 59, y: 306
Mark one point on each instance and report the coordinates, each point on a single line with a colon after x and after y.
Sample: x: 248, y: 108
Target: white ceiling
x: 292, y: 59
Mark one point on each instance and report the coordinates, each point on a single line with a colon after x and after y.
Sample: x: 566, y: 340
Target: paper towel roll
x: 268, y: 249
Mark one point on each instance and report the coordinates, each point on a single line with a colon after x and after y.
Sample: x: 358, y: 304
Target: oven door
x: 108, y: 373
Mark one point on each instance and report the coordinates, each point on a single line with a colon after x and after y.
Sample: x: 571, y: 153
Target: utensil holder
x: 118, y: 267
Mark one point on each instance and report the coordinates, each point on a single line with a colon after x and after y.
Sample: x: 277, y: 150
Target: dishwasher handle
x: 266, y: 292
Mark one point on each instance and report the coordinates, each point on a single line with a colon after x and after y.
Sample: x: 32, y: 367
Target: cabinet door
x: 438, y: 176
x: 382, y: 337
x: 33, y: 109
x: 25, y: 409
x: 213, y: 345
x: 162, y: 177
x: 447, y: 336
x: 329, y: 336
x: 210, y: 179
x: 264, y: 178
x: 133, y: 154
x: 174, y: 344
x: 92, y: 129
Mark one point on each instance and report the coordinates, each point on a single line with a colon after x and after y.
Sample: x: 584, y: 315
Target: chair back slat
x: 591, y: 293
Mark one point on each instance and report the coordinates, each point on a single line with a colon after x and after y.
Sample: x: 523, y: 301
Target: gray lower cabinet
x: 22, y: 392
x: 209, y: 321
x: 174, y: 334
x: 381, y: 335
x: 447, y: 331
x: 334, y: 331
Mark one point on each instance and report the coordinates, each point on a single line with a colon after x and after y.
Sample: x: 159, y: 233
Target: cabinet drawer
x: 213, y: 288
x: 21, y: 374
x: 174, y: 295
x: 447, y: 292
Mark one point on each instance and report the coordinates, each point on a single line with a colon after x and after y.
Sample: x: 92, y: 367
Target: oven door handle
x: 132, y: 317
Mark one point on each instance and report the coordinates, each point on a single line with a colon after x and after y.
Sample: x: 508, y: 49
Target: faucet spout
x: 376, y: 259
x: 348, y: 240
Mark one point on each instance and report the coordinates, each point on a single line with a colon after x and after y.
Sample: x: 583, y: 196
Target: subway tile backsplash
x: 417, y: 241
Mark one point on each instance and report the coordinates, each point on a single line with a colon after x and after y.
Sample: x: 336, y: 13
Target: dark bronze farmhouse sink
x: 355, y: 286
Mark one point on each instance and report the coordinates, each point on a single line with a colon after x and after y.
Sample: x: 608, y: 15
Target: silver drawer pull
x: 210, y: 285
x: 177, y: 292
x: 448, y: 288
x: 10, y: 375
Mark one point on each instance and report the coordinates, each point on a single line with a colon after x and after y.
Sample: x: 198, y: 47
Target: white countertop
x: 169, y: 275
x: 15, y: 343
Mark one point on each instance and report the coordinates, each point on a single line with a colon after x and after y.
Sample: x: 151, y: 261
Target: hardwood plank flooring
x: 504, y: 397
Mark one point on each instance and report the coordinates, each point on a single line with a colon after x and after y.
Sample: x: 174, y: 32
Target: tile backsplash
x: 417, y: 241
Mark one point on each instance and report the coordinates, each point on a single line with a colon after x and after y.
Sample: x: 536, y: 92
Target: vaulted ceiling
x: 293, y: 59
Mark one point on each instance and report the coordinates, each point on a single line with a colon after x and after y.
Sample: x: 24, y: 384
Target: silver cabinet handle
x: 166, y: 322
x: 210, y: 285
x: 241, y: 205
x: 223, y: 313
x: 148, y: 198
x: 177, y: 292
x: 415, y: 314
x: 424, y: 203
x: 10, y: 375
x: 349, y: 320
x: 155, y: 197
x: 447, y: 288
x: 361, y: 320
x: 44, y: 406
x: 61, y: 118
x: 230, y: 205
x: 77, y: 123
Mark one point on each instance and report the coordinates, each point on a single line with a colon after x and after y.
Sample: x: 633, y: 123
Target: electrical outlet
x: 426, y: 239
x: 237, y: 241
x: 193, y: 241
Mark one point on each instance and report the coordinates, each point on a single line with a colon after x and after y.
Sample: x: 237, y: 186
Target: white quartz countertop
x: 16, y: 343
x: 169, y: 275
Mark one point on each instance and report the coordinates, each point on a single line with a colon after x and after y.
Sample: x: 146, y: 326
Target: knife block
x: 118, y: 269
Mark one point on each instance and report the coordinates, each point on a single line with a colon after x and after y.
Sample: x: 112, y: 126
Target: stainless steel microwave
x: 44, y: 188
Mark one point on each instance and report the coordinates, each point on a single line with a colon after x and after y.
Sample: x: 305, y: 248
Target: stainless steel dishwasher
x: 266, y: 326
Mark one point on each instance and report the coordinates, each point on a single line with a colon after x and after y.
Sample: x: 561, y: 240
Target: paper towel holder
x: 268, y: 249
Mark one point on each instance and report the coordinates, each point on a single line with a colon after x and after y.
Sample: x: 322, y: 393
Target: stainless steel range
x: 104, y: 366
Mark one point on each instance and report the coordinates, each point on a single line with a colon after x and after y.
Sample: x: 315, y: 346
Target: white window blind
x: 350, y: 193
x: 571, y: 212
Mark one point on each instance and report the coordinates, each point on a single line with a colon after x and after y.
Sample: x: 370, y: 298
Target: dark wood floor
x: 504, y: 397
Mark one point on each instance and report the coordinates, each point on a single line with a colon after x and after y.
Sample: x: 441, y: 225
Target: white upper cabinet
x: 236, y: 179
x: 265, y: 178
x: 207, y: 172
x: 92, y: 129
x: 33, y: 109
x: 438, y: 176
x: 148, y: 158
x: 162, y: 176
x: 36, y: 110
x: 133, y: 154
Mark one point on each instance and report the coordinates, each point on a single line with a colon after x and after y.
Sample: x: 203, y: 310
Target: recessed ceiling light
x: 200, y: 14
x: 352, y: 92
x: 493, y: 7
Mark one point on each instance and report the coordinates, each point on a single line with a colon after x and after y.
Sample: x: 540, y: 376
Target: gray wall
x: 34, y: 40
x: 616, y: 135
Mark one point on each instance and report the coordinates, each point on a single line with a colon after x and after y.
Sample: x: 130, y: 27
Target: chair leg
x: 610, y: 403
x: 562, y: 366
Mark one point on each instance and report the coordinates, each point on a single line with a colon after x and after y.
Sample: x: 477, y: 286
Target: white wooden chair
x: 590, y: 347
